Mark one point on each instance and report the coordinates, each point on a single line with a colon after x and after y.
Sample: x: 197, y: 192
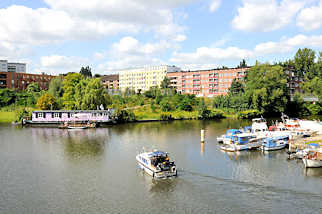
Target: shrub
x: 216, y: 113
x: 21, y: 113
x: 248, y: 114
x: 314, y: 109
x: 166, y: 116
x: 122, y: 116
x: 165, y: 105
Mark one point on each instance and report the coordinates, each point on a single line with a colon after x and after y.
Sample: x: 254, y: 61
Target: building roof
x: 111, y: 77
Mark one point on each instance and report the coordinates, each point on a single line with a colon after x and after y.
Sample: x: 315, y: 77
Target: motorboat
x: 275, y: 143
x: 242, y: 141
x: 313, y: 158
x: 228, y: 136
x: 157, y: 164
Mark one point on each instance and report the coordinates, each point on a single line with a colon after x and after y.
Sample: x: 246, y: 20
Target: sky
x: 60, y: 36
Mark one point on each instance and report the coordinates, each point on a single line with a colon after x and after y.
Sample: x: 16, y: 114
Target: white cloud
x: 57, y: 64
x: 21, y: 26
x: 129, y: 52
x: 180, y: 38
x: 205, y: 55
x: 214, y: 5
x: 310, y: 18
x: 209, y: 56
x: 266, y: 15
x: 287, y: 45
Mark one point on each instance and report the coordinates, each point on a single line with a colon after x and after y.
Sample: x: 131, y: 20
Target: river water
x: 48, y: 170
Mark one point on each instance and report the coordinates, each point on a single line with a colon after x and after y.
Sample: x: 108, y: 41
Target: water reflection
x: 243, y: 156
x: 315, y: 172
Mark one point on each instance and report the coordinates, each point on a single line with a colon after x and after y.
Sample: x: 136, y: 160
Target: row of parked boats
x: 258, y: 136
x: 275, y: 137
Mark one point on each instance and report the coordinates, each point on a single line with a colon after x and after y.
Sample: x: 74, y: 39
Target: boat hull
x: 274, y: 148
x: 309, y: 163
x: 156, y: 173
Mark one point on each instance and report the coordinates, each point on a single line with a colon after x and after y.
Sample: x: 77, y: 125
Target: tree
x: 304, y: 63
x: 266, y: 88
x: 236, y: 87
x: 203, y: 111
x: 185, y: 104
x: 86, y: 72
x: 7, y: 97
x: 69, y: 85
x: 56, y: 87
x: 47, y: 102
x: 165, y: 104
x: 33, y: 87
x: 165, y: 84
x: 242, y: 64
x: 94, y: 95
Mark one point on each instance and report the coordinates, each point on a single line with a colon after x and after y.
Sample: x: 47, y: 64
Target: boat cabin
x: 71, y: 116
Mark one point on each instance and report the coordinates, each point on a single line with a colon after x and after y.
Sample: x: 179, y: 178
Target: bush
x: 21, y: 113
x: 216, y: 114
x: 314, y: 109
x: 122, y: 116
x: 166, y: 116
x: 46, y: 102
x: 248, y: 114
x: 165, y: 105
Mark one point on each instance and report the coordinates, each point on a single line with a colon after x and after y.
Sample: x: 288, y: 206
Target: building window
x: 41, y: 115
x: 56, y: 115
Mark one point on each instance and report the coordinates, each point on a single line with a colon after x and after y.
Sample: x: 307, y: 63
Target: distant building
x: 110, y: 81
x: 141, y: 79
x: 6, y: 66
x: 206, y: 83
x: 293, y: 81
x: 21, y: 81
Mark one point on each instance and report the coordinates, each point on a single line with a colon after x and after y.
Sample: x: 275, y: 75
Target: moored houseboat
x: 57, y: 117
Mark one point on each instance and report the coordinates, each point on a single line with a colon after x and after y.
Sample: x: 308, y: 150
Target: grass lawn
x: 7, y: 117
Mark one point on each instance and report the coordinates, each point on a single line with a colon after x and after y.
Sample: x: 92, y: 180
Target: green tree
x: 56, y: 87
x: 47, y: 102
x: 165, y: 104
x: 94, y: 95
x: 33, y: 87
x: 236, y: 87
x: 86, y: 72
x: 242, y: 64
x: 304, y: 63
x: 266, y: 88
x: 203, y: 111
x: 69, y: 85
x: 7, y: 97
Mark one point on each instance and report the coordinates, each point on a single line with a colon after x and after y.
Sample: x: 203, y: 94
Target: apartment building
x: 21, y: 81
x: 6, y: 66
x: 293, y: 81
x: 141, y: 79
x: 206, y: 83
x: 111, y: 81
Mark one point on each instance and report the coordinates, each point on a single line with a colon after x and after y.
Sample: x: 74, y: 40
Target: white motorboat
x: 313, y: 158
x: 157, y: 164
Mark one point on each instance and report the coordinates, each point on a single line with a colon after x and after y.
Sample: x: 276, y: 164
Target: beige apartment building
x: 141, y: 79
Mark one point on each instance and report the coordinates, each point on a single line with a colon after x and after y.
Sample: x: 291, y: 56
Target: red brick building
x: 207, y: 83
x: 21, y: 81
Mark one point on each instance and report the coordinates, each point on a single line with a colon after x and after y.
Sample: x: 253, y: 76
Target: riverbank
x: 7, y: 117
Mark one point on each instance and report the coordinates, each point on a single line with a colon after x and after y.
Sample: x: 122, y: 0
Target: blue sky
x: 59, y: 36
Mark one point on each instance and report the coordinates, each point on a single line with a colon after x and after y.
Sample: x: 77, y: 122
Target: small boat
x: 156, y: 164
x: 271, y: 144
x: 228, y: 136
x: 313, y: 158
x: 76, y: 127
x: 242, y: 141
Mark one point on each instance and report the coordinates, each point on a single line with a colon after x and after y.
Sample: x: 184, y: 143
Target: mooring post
x: 202, y: 135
